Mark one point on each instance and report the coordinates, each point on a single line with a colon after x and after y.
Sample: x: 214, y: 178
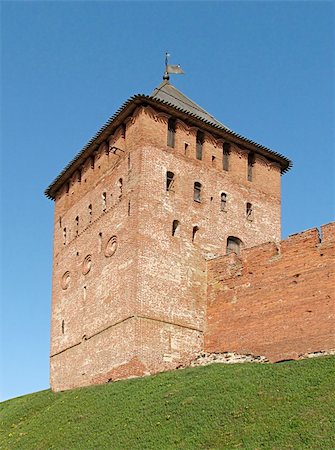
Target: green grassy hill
x: 249, y: 406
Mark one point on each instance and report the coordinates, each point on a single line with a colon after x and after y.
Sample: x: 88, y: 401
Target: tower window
x: 225, y: 156
x: 171, y: 132
x: 199, y: 144
x: 251, y: 162
x: 233, y: 245
x: 120, y: 186
x: 223, y: 201
x: 197, y: 192
x: 77, y: 225
x: 123, y: 131
x: 104, y: 201
x: 194, y: 232
x: 169, y: 180
x: 175, y: 225
x: 249, y: 211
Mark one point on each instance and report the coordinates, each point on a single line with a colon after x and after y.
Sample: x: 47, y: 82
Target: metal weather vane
x: 169, y: 68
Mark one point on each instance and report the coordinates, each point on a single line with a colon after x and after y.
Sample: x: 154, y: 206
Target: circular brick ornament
x: 111, y: 246
x: 86, y: 264
x: 65, y: 281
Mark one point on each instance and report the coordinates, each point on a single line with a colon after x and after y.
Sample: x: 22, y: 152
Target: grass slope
x: 250, y: 406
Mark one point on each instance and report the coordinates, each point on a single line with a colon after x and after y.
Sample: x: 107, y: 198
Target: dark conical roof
x: 167, y: 93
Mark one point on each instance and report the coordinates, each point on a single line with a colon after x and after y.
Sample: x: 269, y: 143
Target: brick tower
x: 160, y: 189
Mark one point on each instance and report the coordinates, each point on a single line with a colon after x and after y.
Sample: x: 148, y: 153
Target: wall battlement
x: 274, y: 300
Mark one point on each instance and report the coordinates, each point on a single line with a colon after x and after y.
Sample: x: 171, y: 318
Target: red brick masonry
x: 274, y: 301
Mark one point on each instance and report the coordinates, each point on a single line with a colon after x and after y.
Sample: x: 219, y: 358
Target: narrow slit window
x: 104, y: 201
x: 77, y: 225
x: 171, y: 132
x: 123, y: 131
x: 63, y: 326
x: 251, y: 162
x: 120, y: 186
x: 169, y: 180
x: 225, y: 156
x: 199, y: 145
x: 175, y: 226
x: 100, y: 241
x: 233, y: 245
x: 129, y: 162
x: 249, y: 211
x: 197, y: 192
x: 90, y: 213
x: 194, y: 232
x: 64, y: 236
x: 129, y: 208
x: 223, y: 201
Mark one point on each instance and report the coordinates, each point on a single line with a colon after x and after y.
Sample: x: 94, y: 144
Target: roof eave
x: 127, y: 108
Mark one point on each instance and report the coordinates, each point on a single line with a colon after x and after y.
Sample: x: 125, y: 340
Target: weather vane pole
x: 171, y: 68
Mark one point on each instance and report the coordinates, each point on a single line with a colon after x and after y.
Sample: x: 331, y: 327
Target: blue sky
x: 265, y: 69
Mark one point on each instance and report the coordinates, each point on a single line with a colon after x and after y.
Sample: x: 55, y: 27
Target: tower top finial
x: 170, y: 68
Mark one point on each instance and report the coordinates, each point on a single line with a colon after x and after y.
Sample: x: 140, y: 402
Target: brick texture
x: 275, y: 301
x: 128, y: 297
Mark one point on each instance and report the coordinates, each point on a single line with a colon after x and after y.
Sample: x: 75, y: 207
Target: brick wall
x: 141, y: 309
x: 276, y: 301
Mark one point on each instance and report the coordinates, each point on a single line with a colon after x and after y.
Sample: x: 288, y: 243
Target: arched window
x: 175, y: 226
x: 223, y: 201
x: 199, y: 144
x: 197, y: 192
x: 171, y: 132
x: 194, y: 232
x: 234, y: 245
x: 251, y: 162
x: 169, y: 180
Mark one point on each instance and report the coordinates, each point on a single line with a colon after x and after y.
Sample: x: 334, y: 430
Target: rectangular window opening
x: 199, y: 144
x: 249, y: 211
x: 169, y: 180
x: 225, y: 156
x: 171, y: 133
x: 251, y: 162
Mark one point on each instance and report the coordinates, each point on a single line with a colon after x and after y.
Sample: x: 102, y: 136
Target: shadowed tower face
x: 161, y: 188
